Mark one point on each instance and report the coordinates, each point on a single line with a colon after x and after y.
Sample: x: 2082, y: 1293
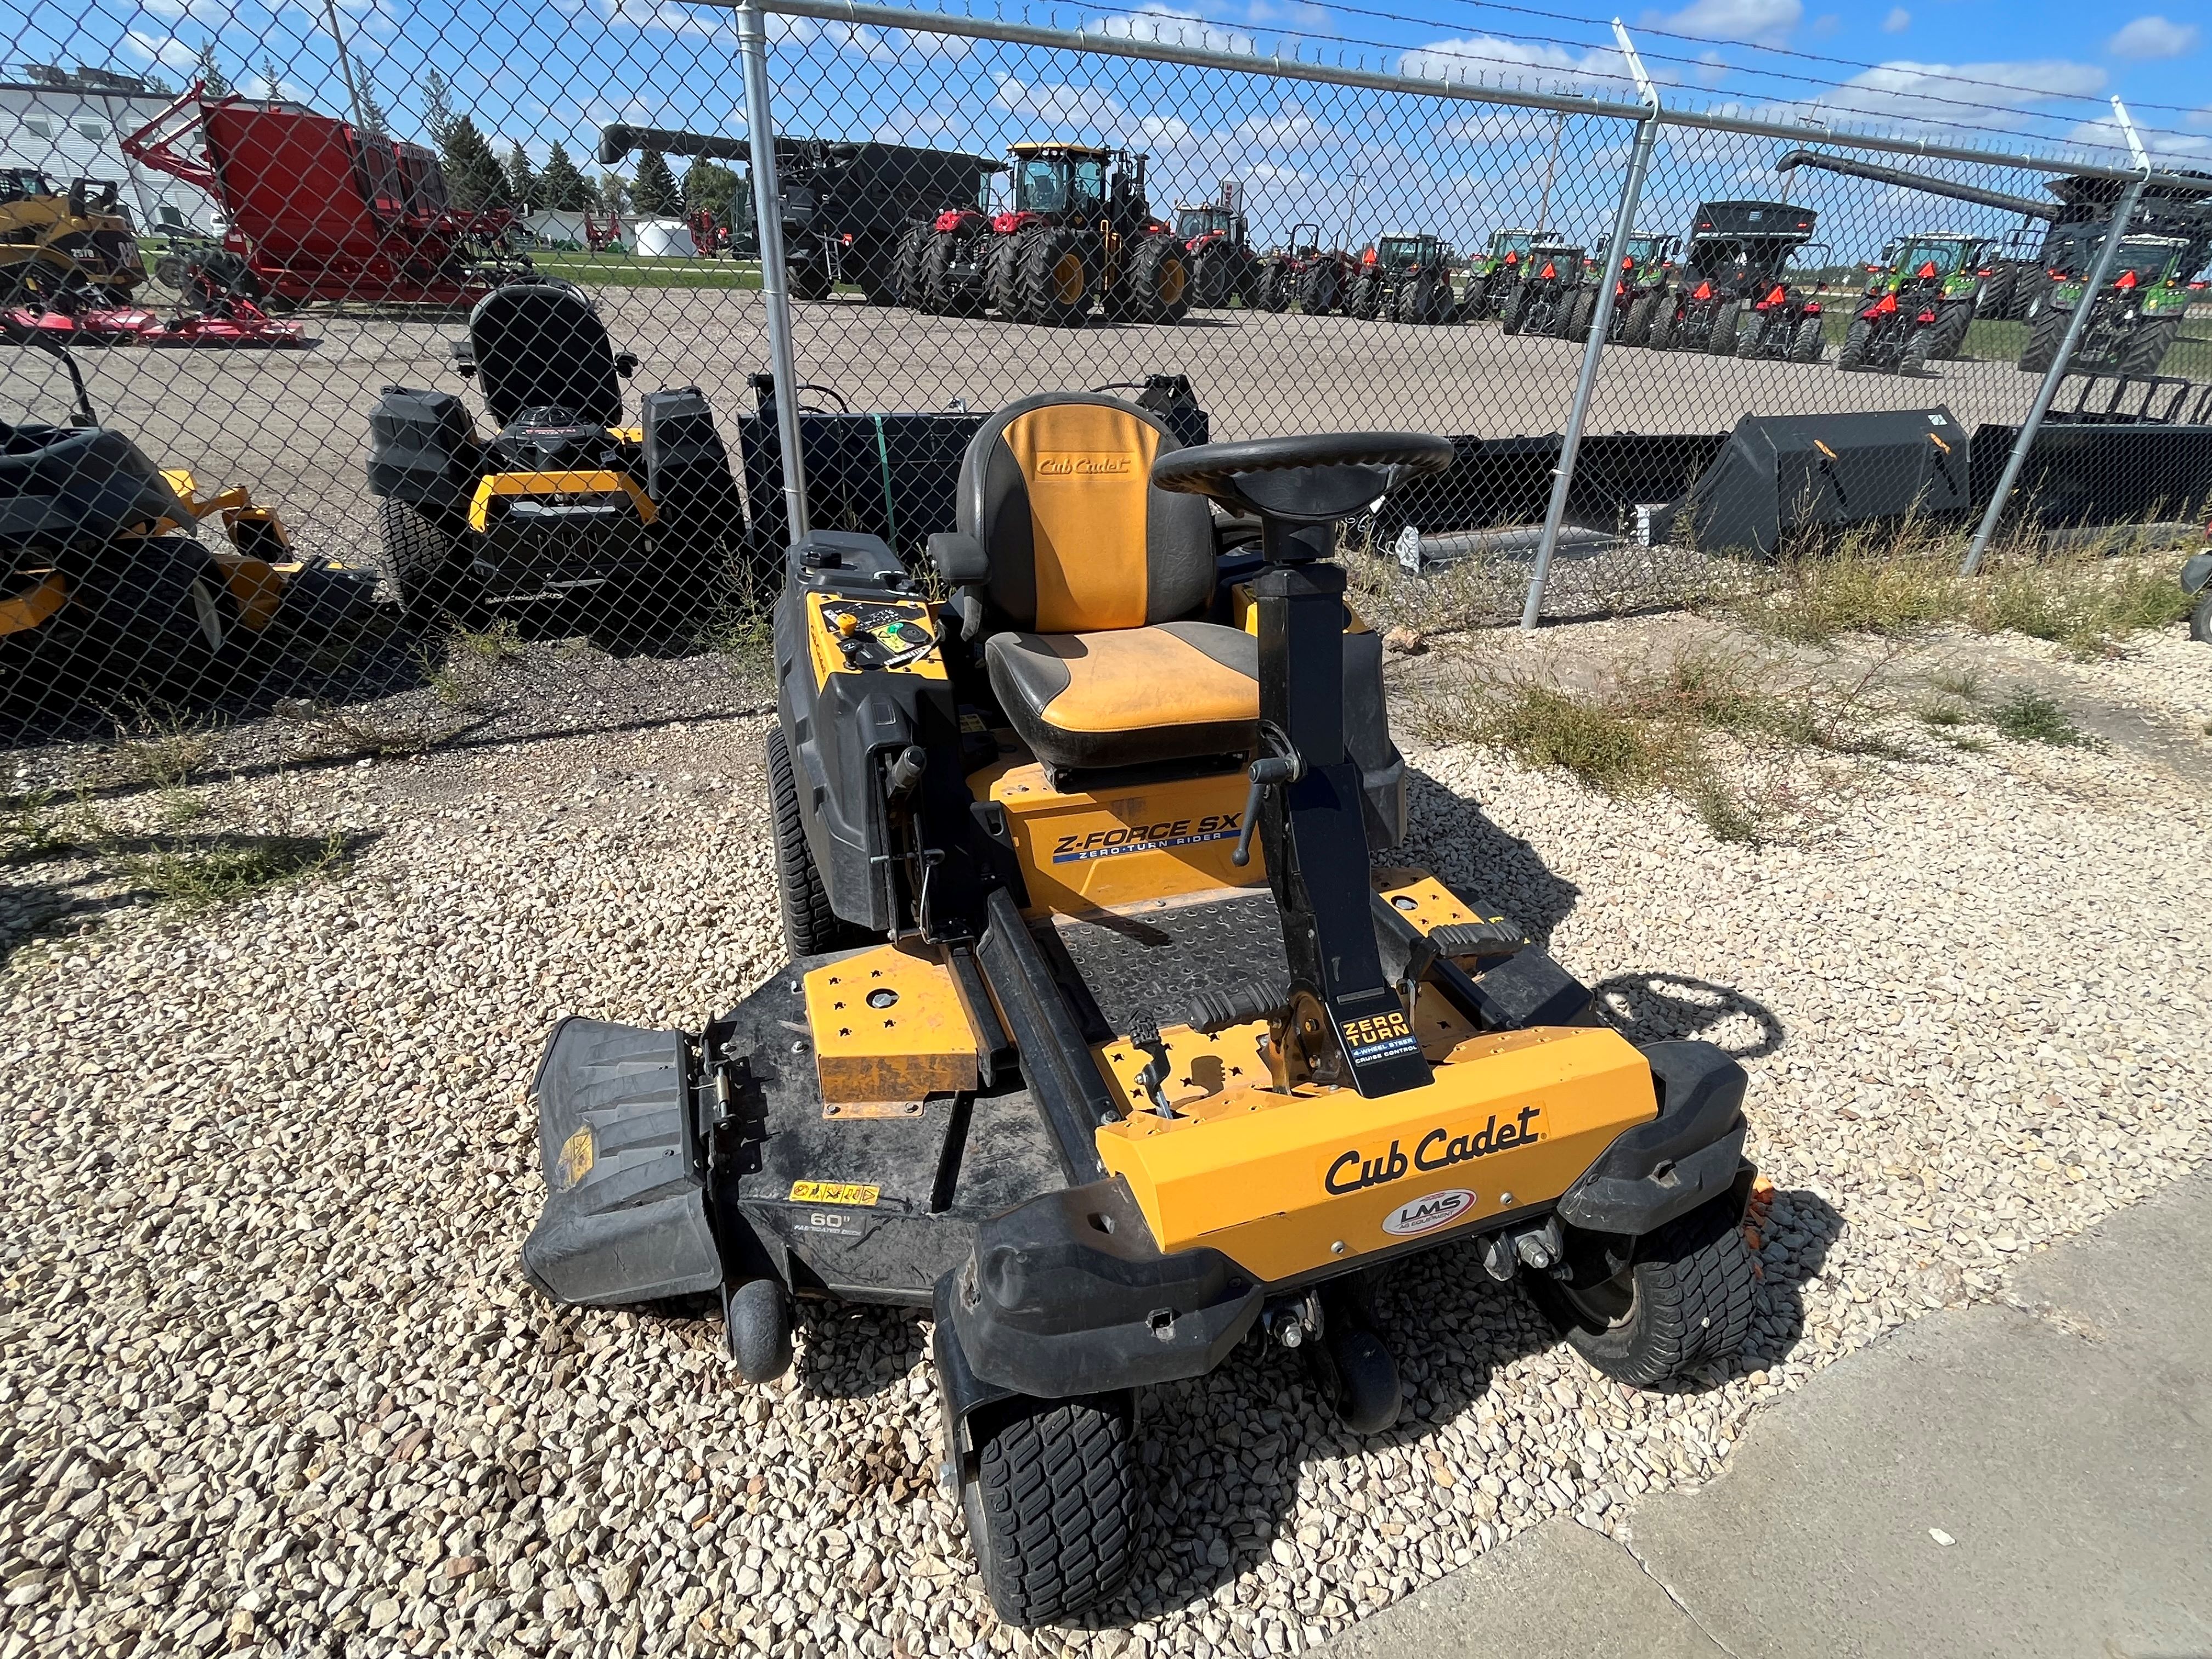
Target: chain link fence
x: 382, y: 375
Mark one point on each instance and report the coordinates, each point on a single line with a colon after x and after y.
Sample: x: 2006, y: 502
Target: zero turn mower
x: 1102, y: 1038
x: 105, y: 583
x: 566, y: 498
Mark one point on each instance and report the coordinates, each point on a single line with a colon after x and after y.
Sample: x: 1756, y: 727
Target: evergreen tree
x: 209, y: 71
x: 374, y: 124
x: 708, y: 187
x: 561, y: 187
x: 613, y: 193
x: 437, y: 108
x: 654, y: 190
x: 272, y: 83
x: 524, y: 190
x: 474, y: 177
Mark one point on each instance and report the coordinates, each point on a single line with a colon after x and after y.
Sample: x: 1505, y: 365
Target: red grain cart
x: 317, y: 210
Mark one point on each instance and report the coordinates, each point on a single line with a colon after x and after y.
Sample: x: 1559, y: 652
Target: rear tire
x: 1514, y: 306
x: 1211, y: 280
x: 1810, y: 343
x: 1720, y: 338
x: 906, y: 263
x: 1275, y: 285
x: 1580, y: 310
x: 1001, y: 280
x: 1751, y: 338
x: 1052, y: 1513
x: 1320, y: 289
x: 1856, y: 339
x: 2147, y: 346
x: 1912, y: 361
x: 164, y: 616
x: 1157, y: 281
x: 2044, y: 336
x: 1662, y: 335
x: 1636, y: 328
x: 1054, y: 279
x: 1684, y: 1301
x: 810, y: 926
x: 426, y: 562
x: 943, y: 297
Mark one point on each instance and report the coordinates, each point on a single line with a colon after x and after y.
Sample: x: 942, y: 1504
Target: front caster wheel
x: 756, y: 1316
x: 1351, y: 1363
x: 1052, y: 1510
x: 1682, y: 1300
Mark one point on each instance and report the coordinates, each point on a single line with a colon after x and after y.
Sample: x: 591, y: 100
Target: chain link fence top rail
x: 379, y: 375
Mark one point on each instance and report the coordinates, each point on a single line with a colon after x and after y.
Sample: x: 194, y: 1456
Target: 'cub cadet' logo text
x: 1082, y: 466
x: 1437, y: 1150
x: 1145, y: 837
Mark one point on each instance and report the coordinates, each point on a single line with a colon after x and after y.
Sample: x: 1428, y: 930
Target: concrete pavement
x: 2060, y: 1444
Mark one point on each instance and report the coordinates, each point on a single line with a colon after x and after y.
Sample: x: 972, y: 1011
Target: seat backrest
x: 539, y: 344
x: 1058, y: 489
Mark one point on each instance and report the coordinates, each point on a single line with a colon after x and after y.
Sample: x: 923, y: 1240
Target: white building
x: 69, y: 123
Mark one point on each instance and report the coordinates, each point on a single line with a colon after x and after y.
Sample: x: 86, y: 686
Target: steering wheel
x: 1312, y: 479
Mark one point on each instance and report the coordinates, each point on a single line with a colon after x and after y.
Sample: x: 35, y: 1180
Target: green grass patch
x: 2028, y: 716
x: 615, y: 269
x: 193, y: 875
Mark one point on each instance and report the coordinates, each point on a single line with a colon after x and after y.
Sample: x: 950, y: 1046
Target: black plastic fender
x: 1691, y: 1153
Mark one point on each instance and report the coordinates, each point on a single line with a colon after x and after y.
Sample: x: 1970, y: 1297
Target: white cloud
x: 672, y: 17
x: 169, y: 53
x: 2153, y: 37
x: 1763, y: 22
x: 1300, y: 14
x: 1484, y: 58
x: 2171, y: 147
x: 1062, y: 105
x: 1898, y: 22
x: 1970, y: 94
x: 1165, y: 26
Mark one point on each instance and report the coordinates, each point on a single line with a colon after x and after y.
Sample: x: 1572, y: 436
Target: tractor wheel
x: 426, y: 562
x: 1808, y: 343
x: 945, y: 296
x: 1320, y: 289
x: 164, y: 615
x: 1751, y: 338
x: 1366, y: 302
x: 1683, y: 1301
x: 1720, y: 338
x: 2200, y: 620
x: 1953, y: 319
x: 1995, y: 300
x: 2146, y: 345
x: 1919, y: 346
x: 1157, y: 281
x: 906, y: 263
x: 1054, y: 278
x: 1001, y: 280
x: 1857, y: 340
x: 1052, y: 1512
x: 810, y: 926
x: 1636, y: 328
x: 1582, y: 308
x: 2047, y: 334
x: 1662, y: 335
x: 1275, y: 287
x: 1212, y: 276
x: 1513, y: 308
x: 1433, y: 298
x: 808, y: 282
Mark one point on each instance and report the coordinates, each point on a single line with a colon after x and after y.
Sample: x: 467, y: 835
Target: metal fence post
x: 2107, y: 255
x: 767, y: 218
x: 1624, y: 222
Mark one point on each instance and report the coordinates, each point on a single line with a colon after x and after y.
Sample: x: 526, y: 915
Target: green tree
x: 709, y: 187
x: 272, y: 82
x: 474, y: 177
x: 438, y: 116
x: 561, y: 187
x: 375, y: 123
x: 524, y: 189
x: 653, y: 193
x: 613, y: 193
x: 209, y: 71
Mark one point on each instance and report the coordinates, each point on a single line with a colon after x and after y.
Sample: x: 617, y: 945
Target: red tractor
x: 314, y: 209
x: 1318, y: 281
x: 1223, y: 266
x: 1079, y: 233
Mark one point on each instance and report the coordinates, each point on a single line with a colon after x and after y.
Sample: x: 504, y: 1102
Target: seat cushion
x: 1175, y: 691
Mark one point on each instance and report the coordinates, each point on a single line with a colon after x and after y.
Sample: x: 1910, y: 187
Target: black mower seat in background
x: 1089, y: 574
x: 539, y: 344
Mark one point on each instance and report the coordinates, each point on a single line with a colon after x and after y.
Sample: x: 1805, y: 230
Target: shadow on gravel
x: 1660, y: 1007
x: 1800, y: 1229
x: 848, y: 1352
x: 1449, y: 834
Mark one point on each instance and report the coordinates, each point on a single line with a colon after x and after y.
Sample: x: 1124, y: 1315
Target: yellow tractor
x: 60, y: 249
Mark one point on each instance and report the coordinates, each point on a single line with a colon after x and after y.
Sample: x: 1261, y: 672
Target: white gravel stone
x: 270, y: 1382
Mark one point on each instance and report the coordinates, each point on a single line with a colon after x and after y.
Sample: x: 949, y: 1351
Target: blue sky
x: 2011, y: 73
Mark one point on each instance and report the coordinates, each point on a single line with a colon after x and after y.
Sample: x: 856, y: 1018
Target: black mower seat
x: 1089, y: 574
x: 1130, y: 696
x: 539, y: 345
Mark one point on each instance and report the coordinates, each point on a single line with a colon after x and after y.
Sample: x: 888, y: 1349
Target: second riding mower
x: 566, y: 500
x: 105, y: 584
x: 1104, y: 1039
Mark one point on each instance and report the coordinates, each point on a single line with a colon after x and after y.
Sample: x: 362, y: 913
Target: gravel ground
x: 270, y: 1381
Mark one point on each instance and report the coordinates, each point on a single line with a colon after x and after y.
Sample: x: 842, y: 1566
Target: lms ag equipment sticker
x: 836, y: 1191
x: 1421, y: 1215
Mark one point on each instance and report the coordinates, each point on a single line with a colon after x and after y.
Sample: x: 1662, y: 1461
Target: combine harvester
x: 315, y: 210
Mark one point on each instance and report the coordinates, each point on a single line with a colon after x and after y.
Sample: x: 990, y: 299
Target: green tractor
x: 1647, y: 265
x: 1491, y: 277
x: 2134, y: 319
x: 1407, y: 279
x: 1919, y: 303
